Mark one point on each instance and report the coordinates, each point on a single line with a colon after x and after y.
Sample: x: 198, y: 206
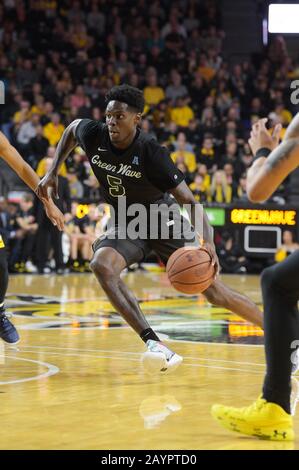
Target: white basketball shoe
x: 158, y: 358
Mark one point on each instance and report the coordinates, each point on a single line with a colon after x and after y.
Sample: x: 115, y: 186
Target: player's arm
x: 199, y: 219
x: 12, y: 157
x: 66, y: 144
x: 16, y: 162
x: 163, y: 174
x: 266, y: 174
x: 184, y: 195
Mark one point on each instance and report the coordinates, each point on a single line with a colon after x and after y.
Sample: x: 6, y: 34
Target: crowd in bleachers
x: 33, y: 241
x: 58, y: 59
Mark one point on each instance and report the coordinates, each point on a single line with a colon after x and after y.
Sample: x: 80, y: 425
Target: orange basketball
x: 190, y: 270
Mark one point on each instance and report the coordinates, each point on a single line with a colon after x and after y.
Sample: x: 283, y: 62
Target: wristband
x: 262, y: 152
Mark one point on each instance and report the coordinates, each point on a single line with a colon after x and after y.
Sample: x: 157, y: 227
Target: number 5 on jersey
x: 116, y: 189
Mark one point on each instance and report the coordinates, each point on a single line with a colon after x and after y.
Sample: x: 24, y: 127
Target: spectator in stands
x: 199, y: 189
x: 209, y: 121
x: 26, y: 131
x: 48, y: 236
x: 91, y: 188
x: 26, y: 226
x: 7, y: 229
x: 76, y: 187
x: 241, y: 189
x: 231, y: 255
x: 198, y: 91
x: 153, y: 93
x: 39, y: 103
x: 79, y: 243
x: 193, y: 133
x: 37, y: 147
x: 181, y: 155
x: 288, y: 246
x: 54, y: 129
x: 147, y: 128
x: 182, y: 143
x: 176, y: 89
x: 208, y: 155
x: 78, y: 99
x: 23, y: 113
x: 41, y: 167
x: 230, y: 178
x: 220, y: 191
x: 182, y: 113
x: 203, y: 171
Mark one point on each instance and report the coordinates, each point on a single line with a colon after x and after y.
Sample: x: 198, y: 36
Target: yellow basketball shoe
x: 262, y: 419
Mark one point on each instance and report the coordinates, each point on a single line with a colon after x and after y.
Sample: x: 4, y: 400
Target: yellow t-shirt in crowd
x: 41, y: 169
x: 195, y: 189
x: 153, y: 94
x: 53, y: 133
x: 36, y: 110
x: 17, y: 116
x: 222, y: 195
x: 188, y: 158
x: 182, y: 116
x: 207, y: 181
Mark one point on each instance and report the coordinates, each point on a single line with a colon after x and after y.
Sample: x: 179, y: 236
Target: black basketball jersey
x: 142, y: 173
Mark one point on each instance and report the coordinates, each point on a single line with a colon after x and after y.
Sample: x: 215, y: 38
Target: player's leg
x: 270, y: 416
x: 107, y: 264
x: 7, y: 330
x: 221, y: 295
x: 110, y: 258
x: 280, y: 287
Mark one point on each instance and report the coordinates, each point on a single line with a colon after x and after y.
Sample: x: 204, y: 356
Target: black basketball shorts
x: 181, y: 234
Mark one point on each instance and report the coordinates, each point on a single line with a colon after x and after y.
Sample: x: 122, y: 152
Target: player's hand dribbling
x: 47, y: 187
x: 212, y: 251
x: 261, y: 138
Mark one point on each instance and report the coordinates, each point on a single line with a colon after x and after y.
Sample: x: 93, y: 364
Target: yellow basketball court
x: 75, y: 380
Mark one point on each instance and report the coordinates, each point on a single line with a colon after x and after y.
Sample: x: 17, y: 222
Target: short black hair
x: 130, y: 95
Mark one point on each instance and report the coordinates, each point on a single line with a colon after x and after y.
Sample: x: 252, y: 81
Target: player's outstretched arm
x: 183, y: 195
x: 266, y: 174
x: 30, y: 178
x: 17, y: 164
x: 199, y: 218
x: 66, y: 144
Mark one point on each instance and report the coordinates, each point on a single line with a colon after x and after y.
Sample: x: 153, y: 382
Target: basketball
x: 190, y: 270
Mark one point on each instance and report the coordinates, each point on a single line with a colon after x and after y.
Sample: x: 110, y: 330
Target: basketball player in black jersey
x: 269, y: 417
x: 10, y: 155
x: 131, y: 166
